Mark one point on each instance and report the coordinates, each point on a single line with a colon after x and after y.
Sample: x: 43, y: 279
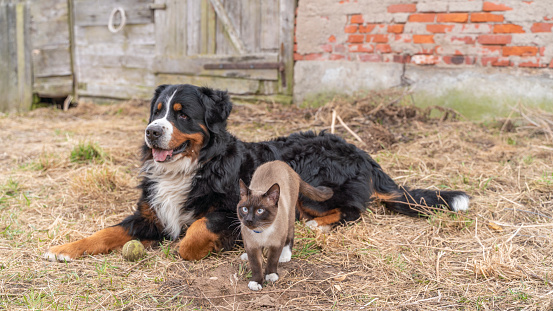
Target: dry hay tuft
x: 495, y: 257
x: 533, y: 121
x: 104, y: 183
x: 380, y: 114
x: 498, y: 263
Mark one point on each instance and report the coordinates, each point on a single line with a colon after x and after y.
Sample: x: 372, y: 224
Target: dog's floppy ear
x: 218, y: 107
x: 157, y: 92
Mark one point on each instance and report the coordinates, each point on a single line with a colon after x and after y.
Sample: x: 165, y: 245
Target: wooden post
x: 287, y: 16
x: 16, y: 84
x: 71, y: 25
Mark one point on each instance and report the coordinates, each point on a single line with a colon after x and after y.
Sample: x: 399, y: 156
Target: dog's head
x: 183, y: 119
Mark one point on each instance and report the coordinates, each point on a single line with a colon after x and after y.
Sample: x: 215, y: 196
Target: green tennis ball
x: 133, y: 250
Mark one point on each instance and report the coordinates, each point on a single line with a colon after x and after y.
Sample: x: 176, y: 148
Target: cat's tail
x: 318, y: 194
x: 415, y: 202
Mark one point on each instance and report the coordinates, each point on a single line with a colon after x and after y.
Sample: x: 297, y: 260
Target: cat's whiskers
x: 236, y: 230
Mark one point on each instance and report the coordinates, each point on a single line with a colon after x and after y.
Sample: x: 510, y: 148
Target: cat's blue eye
x: 260, y: 211
x: 244, y: 209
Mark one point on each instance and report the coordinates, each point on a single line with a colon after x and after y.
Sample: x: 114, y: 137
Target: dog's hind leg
x: 323, y: 221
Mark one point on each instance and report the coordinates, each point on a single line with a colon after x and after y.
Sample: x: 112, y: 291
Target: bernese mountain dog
x: 192, y: 165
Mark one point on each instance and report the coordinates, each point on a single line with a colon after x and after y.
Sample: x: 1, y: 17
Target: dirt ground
x: 498, y: 256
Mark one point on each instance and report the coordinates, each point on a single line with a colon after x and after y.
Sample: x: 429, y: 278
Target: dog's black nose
x: 153, y: 132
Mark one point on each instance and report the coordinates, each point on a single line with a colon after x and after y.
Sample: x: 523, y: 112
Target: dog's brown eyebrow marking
x: 159, y: 105
x: 177, y: 107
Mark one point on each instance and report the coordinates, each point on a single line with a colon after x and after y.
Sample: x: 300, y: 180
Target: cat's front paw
x: 285, y: 255
x: 244, y: 257
x: 253, y: 285
x: 272, y: 277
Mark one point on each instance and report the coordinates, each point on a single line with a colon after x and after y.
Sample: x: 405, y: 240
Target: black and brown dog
x: 192, y: 165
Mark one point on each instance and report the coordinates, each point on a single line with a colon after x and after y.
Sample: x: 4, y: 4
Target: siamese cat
x: 267, y: 213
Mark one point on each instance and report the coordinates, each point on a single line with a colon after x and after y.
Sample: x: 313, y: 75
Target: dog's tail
x: 415, y: 202
x: 318, y: 194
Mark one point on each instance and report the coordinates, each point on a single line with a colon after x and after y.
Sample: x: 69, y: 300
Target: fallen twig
x: 347, y: 128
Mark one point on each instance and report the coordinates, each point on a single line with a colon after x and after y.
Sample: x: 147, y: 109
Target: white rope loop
x: 121, y: 11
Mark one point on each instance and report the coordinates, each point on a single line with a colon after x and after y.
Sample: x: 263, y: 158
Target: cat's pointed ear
x: 273, y: 194
x: 243, y: 189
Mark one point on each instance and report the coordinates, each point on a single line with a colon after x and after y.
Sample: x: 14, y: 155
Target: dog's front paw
x: 272, y: 277
x: 63, y: 253
x: 253, y: 285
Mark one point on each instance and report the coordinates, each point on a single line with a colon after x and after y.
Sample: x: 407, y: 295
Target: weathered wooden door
x: 15, y: 69
x: 51, y: 48
x: 243, y: 46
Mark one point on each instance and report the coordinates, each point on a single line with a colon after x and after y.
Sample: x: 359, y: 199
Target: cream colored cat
x: 267, y: 213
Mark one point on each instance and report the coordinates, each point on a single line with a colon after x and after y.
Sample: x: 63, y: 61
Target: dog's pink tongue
x: 160, y: 155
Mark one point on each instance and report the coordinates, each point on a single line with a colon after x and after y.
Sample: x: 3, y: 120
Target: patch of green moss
x: 320, y: 99
x: 475, y: 107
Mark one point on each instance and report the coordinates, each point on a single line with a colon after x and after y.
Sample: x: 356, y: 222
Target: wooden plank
x: 130, y: 35
x: 118, y: 61
x: 234, y: 86
x: 121, y: 83
x: 193, y: 65
x: 268, y: 87
x: 270, y: 26
x: 53, y: 86
x: 51, y: 50
x: 193, y: 16
x: 122, y: 92
x: 115, y: 65
x: 222, y: 43
x: 6, y: 65
x: 16, y: 77
x: 250, y: 30
x: 115, y: 76
x: 49, y: 34
x: 51, y: 62
x: 133, y: 49
x: 116, y: 50
x: 228, y: 26
x: 171, y: 28
x: 96, y: 13
x: 49, y: 23
x: 265, y: 74
x: 203, y: 27
x: 72, y: 47
x: 211, y: 36
x: 287, y: 11
x: 246, y: 17
x: 45, y: 11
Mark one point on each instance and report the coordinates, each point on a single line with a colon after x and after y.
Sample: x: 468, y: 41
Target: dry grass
x: 495, y: 257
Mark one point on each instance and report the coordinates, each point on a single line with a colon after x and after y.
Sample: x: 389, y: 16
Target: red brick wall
x: 443, y: 33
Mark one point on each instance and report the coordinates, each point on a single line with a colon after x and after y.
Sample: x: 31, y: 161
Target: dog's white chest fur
x: 173, y: 182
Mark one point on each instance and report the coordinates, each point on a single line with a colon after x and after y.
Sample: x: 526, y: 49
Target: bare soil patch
x: 498, y: 256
